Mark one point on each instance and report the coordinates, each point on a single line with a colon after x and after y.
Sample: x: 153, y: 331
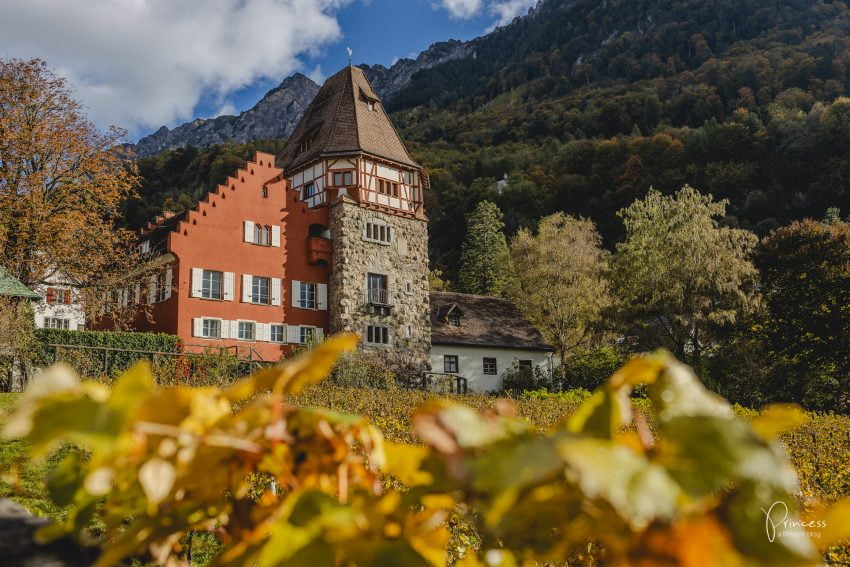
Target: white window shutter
x: 169, y: 282
x: 152, y: 290
x: 137, y: 296
x: 197, y: 282
x: 249, y: 231
x: 225, y: 329
x: 228, y: 286
x: 296, y: 293
x: 293, y: 334
x: 276, y: 236
x: 322, y: 300
x: 267, y: 332
x: 198, y: 325
x: 275, y: 291
x: 246, y: 288
x: 319, y: 334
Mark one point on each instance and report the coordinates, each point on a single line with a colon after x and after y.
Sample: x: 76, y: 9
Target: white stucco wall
x: 71, y: 311
x: 471, y: 363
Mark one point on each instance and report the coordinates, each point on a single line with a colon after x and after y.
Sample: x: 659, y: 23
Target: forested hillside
x: 586, y: 104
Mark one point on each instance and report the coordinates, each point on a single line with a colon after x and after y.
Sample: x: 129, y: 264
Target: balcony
x: 378, y: 296
x: 319, y: 250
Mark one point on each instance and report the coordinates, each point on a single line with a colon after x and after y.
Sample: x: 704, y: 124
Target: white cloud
x: 506, y: 10
x: 226, y: 109
x: 462, y: 9
x: 142, y: 63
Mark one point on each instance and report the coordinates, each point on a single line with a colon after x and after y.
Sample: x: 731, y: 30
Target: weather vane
x: 349, y: 54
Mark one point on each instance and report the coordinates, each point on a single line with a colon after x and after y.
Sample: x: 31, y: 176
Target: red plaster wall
x: 212, y: 238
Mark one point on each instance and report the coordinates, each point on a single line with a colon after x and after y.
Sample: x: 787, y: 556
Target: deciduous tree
x: 806, y: 284
x: 62, y: 184
x: 61, y: 181
x: 679, y: 277
x: 559, y: 279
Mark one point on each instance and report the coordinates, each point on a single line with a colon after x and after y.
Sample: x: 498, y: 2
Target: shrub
x: 363, y: 370
x: 165, y: 462
x: 589, y: 368
x: 518, y: 380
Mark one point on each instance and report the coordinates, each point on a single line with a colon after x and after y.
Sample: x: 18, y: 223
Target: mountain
x: 275, y: 116
x: 280, y: 109
x: 586, y: 104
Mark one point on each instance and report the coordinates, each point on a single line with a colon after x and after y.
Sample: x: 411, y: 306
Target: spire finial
x: 350, y: 52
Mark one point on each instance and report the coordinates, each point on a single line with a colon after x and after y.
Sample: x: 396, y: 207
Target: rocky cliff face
x: 279, y: 111
x: 275, y: 116
x: 387, y: 82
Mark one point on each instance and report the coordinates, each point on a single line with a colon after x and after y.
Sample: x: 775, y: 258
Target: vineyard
x: 383, y: 477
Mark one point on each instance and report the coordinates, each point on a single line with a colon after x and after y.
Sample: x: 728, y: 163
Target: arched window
x: 262, y: 234
x: 265, y: 192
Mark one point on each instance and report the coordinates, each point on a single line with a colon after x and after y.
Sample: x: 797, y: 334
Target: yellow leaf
x: 156, y: 477
x: 777, y: 418
x: 292, y: 376
x: 639, y: 370
x: 833, y: 524
x: 403, y: 462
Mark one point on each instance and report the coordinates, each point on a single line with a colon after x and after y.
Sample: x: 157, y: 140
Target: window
x: 58, y: 295
x: 211, y: 328
x: 265, y: 192
x: 490, y: 366
x: 450, y: 363
x: 276, y: 334
x: 377, y: 335
x: 309, y: 190
x: 378, y: 232
x: 342, y: 178
x: 211, y: 284
x: 246, y: 331
x: 371, y: 106
x: 262, y: 235
x: 454, y: 319
x: 260, y: 290
x: 524, y: 364
x: 377, y: 291
x: 164, y: 290
x: 308, y: 334
x: 304, y: 145
x: 56, y: 323
x: 307, y: 299
x: 145, y: 247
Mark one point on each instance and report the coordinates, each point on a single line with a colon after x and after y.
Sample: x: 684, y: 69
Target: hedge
x: 92, y: 363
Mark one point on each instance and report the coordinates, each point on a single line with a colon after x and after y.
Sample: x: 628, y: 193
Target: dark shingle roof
x: 10, y: 286
x: 339, y: 121
x: 485, y: 321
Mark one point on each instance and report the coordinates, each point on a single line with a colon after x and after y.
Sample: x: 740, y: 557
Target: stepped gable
x: 340, y: 121
x: 158, y: 230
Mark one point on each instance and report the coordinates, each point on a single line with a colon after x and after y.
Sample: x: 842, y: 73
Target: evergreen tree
x: 483, y: 260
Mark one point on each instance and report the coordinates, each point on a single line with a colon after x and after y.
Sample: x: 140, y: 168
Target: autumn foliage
x: 283, y: 485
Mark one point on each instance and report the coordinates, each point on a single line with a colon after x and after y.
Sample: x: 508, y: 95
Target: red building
x: 331, y: 238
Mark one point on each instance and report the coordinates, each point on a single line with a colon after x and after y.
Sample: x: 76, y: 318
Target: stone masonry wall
x: 404, y: 261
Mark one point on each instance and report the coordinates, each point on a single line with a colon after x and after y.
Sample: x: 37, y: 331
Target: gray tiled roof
x: 10, y: 286
x: 339, y: 121
x: 485, y: 321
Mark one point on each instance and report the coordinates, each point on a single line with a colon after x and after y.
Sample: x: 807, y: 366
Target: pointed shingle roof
x: 340, y: 121
x: 10, y: 286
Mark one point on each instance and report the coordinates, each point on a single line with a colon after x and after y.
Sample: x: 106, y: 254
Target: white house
x: 479, y: 338
x: 60, y: 306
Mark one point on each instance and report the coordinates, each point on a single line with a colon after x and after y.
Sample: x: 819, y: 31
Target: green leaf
x: 65, y: 480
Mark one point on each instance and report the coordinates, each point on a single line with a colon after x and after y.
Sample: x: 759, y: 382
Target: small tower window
x: 371, y: 106
x: 265, y: 192
x: 454, y: 319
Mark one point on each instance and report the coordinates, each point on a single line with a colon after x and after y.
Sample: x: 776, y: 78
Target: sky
x: 141, y: 64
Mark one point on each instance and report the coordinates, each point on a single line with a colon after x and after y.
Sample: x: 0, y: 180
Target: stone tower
x: 345, y: 155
